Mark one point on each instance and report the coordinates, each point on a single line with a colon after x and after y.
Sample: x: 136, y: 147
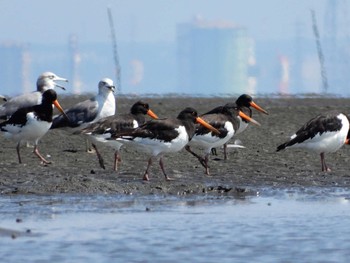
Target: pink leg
x: 117, y: 159
x: 145, y: 176
x: 161, y: 164
x: 200, y: 159
x: 36, y: 152
x: 325, y: 168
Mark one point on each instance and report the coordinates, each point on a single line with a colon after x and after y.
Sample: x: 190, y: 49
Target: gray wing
x: 21, y: 101
x: 83, y: 112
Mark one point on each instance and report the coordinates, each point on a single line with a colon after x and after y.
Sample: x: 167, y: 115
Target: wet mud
x: 246, y: 171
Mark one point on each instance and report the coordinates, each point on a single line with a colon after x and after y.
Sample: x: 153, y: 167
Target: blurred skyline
x: 48, y: 26
x: 51, y: 22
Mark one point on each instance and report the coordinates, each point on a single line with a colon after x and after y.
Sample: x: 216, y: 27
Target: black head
x: 49, y: 96
x: 244, y: 100
x: 188, y: 114
x: 139, y: 107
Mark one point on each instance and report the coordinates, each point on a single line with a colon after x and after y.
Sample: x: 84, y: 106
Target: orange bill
x: 58, y: 106
x: 152, y: 114
x: 207, y: 125
x: 257, y: 107
x: 246, y: 117
x: 347, y: 141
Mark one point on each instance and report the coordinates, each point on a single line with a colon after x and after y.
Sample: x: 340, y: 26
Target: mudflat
x: 246, y: 171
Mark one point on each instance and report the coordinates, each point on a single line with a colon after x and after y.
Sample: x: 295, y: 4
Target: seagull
x: 100, y: 131
x: 227, y: 122
x: 100, y: 106
x: 326, y: 133
x: 31, y: 123
x: 46, y: 80
x: 89, y: 111
x: 157, y: 137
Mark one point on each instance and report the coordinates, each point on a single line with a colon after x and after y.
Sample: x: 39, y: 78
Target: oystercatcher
x: 157, y: 137
x: 325, y: 133
x: 31, y: 123
x: 89, y: 111
x: 100, y: 131
x: 243, y: 103
x: 45, y: 81
x: 227, y: 122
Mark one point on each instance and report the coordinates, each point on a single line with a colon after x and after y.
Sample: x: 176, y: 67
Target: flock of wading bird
x: 29, y: 117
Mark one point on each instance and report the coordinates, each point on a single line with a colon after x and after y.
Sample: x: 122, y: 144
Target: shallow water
x: 273, y: 226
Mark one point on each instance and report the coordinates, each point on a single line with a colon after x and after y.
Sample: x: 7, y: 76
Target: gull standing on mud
x: 325, y: 133
x: 45, y: 81
x: 89, y: 111
x: 31, y: 123
x: 243, y: 103
x: 101, y: 131
x: 227, y: 122
x: 157, y: 137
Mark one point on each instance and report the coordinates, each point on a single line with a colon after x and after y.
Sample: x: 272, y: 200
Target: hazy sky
x: 45, y: 21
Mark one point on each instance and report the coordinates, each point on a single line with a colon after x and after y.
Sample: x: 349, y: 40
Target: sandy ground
x: 245, y: 172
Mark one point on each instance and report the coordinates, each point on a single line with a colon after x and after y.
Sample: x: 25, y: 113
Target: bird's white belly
x: 32, y: 131
x: 327, y: 142
x: 155, y: 146
x: 208, y: 141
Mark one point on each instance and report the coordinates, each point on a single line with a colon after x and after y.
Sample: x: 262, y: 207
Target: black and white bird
x: 244, y: 104
x: 100, y: 132
x: 323, y: 134
x: 45, y: 81
x: 157, y: 137
x: 31, y: 123
x: 227, y: 122
x: 82, y: 114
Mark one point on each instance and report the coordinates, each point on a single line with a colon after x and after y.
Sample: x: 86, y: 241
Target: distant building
x: 14, y: 64
x: 212, y: 58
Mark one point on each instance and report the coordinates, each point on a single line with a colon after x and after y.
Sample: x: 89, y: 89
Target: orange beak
x: 58, y: 106
x: 257, y: 107
x: 347, y: 141
x: 207, y: 125
x: 246, y: 117
x: 152, y: 114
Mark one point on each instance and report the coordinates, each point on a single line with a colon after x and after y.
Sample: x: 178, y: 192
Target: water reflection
x: 286, y: 226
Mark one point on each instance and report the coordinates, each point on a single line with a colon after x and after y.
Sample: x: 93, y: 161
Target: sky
x: 42, y: 21
x: 48, y: 22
